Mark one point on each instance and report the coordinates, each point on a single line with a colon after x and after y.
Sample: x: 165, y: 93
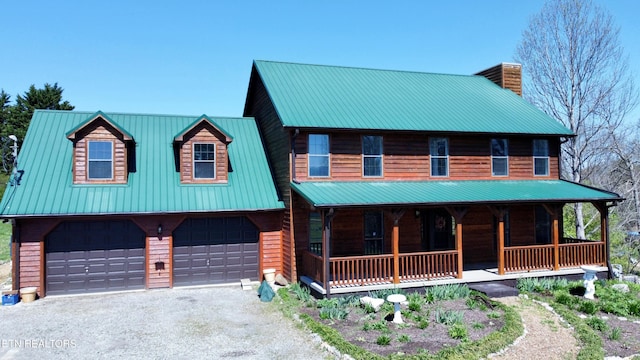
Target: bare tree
x: 576, y: 72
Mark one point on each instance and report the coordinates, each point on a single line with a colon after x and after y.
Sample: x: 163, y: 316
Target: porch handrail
x: 526, y: 258
x: 583, y: 253
x: 360, y: 270
x: 428, y: 265
x: 312, y: 266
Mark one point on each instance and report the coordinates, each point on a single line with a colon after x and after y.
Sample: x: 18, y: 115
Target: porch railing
x: 428, y: 265
x: 360, y: 270
x: 378, y: 269
x: 527, y: 258
x: 583, y: 253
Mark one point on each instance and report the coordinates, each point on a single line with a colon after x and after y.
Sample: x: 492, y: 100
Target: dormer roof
x: 97, y: 116
x: 206, y: 120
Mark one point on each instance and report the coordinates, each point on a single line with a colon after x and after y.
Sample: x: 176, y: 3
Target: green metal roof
x: 394, y: 193
x: 46, y: 187
x: 98, y: 114
x: 200, y: 119
x: 316, y: 96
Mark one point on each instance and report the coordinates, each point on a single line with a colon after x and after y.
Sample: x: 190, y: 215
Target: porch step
x: 494, y: 289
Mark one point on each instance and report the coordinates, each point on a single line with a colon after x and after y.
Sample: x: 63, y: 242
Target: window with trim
x: 204, y: 161
x: 318, y: 155
x: 372, y: 156
x: 543, y: 225
x: 315, y: 233
x: 540, y: 157
x: 439, y: 152
x: 499, y: 157
x: 373, y: 232
x: 100, y: 160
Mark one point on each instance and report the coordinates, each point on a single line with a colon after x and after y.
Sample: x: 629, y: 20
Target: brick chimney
x: 505, y: 75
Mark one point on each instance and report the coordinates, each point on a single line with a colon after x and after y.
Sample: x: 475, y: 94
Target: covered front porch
x: 423, y: 242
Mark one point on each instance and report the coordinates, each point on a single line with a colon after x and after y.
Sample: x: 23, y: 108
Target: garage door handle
x: 207, y: 262
x: 86, y: 269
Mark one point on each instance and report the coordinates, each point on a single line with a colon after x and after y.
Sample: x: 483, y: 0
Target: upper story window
x: 499, y: 157
x: 318, y: 155
x: 540, y: 157
x: 439, y: 152
x: 204, y: 161
x: 372, y: 155
x: 100, y: 160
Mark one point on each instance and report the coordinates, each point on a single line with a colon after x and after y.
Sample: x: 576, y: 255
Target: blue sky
x: 194, y: 57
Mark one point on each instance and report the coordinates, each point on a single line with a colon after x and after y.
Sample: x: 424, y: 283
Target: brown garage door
x: 215, y: 251
x: 94, y: 256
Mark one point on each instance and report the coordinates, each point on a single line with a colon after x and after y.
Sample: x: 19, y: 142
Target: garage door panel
x: 217, y: 247
x: 93, y: 256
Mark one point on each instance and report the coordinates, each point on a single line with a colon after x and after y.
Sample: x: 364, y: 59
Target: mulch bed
x: 431, y: 339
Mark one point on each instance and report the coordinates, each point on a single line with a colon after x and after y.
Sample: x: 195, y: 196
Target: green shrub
x: 597, y: 324
x: 379, y: 325
x: 493, y: 315
x: 423, y: 324
x: 588, y: 307
x: 634, y: 307
x: 448, y: 317
x: 458, y: 331
x: 404, y: 338
x: 477, y: 325
x: 327, y: 303
x: 302, y: 292
x: 615, y: 334
x: 565, y: 298
x: 447, y: 292
x: 333, y: 313
x: 383, y: 340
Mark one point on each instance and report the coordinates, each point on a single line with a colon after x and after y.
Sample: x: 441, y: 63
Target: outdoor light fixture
x: 159, y: 266
x: 159, y: 229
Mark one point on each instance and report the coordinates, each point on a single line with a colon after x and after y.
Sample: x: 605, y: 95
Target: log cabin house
x: 106, y: 202
x: 396, y: 178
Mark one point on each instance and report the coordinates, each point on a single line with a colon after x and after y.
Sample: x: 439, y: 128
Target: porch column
x: 554, y: 211
x: 499, y: 212
x: 397, y: 214
x: 326, y: 250
x: 604, y: 233
x: 458, y: 213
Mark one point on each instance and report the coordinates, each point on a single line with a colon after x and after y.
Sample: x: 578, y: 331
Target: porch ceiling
x: 396, y: 193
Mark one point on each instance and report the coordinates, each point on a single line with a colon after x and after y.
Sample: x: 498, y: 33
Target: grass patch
x: 5, y: 239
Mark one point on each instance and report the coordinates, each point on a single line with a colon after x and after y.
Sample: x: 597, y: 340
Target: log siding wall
x: 406, y: 157
x: 203, y: 134
x: 159, y: 247
x: 99, y: 131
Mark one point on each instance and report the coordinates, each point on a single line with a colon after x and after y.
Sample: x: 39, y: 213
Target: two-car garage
x: 110, y: 255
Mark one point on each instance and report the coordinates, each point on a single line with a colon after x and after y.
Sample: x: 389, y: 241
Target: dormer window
x: 204, y: 161
x: 103, y: 151
x: 201, y: 151
x: 100, y: 160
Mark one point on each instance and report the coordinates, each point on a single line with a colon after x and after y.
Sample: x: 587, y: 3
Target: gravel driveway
x: 193, y: 323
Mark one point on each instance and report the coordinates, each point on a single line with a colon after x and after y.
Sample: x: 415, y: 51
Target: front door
x: 438, y: 230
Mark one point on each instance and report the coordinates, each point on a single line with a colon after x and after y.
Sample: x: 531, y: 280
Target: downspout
x: 293, y: 155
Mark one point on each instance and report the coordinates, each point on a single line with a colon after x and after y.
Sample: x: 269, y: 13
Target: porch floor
x: 468, y: 276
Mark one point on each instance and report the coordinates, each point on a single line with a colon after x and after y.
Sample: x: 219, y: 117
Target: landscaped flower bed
x: 610, y: 324
x: 439, y: 322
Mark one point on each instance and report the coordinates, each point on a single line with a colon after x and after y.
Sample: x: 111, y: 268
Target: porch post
x: 604, y: 233
x: 555, y: 212
x: 499, y: 212
x: 396, y: 252
x: 326, y: 250
x: 395, y: 240
x: 458, y: 214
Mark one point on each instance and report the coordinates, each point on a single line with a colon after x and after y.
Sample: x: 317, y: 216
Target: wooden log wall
x: 203, y: 133
x: 406, y: 157
x: 99, y: 130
